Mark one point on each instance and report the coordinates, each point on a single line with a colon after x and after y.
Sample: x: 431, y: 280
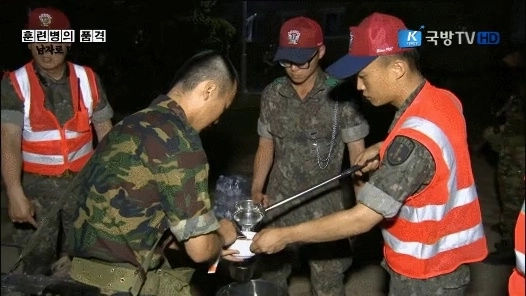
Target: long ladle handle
x: 345, y: 173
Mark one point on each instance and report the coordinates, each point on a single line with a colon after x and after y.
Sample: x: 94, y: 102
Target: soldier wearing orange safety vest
x: 50, y: 108
x: 517, y: 283
x: 422, y: 192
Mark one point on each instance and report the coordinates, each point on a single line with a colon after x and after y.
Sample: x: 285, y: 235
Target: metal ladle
x: 249, y: 213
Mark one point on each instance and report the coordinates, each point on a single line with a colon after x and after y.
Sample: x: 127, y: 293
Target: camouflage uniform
x: 149, y: 174
x: 509, y: 143
x: 302, y: 131
x: 386, y: 191
x: 45, y: 191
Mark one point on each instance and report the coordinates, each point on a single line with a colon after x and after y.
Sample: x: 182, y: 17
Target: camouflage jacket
x: 302, y: 132
x: 149, y: 174
x: 57, y: 100
x: 514, y: 125
x: 511, y: 133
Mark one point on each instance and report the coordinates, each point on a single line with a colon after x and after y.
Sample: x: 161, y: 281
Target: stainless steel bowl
x: 252, y: 288
x: 242, y: 271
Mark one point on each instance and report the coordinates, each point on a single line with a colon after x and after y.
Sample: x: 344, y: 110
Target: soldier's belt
x: 109, y: 276
x: 120, y: 278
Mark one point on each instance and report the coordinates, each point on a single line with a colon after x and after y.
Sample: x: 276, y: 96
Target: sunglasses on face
x: 306, y: 65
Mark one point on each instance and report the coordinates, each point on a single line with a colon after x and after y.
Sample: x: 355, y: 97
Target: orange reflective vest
x: 517, y: 284
x: 47, y: 148
x: 439, y: 228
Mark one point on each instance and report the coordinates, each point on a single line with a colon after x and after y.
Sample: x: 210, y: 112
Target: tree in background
x: 213, y: 31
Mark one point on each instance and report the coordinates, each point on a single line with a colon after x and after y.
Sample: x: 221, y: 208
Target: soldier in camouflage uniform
x: 508, y: 141
x: 303, y: 133
x: 405, y: 192
x: 148, y: 175
x: 34, y: 193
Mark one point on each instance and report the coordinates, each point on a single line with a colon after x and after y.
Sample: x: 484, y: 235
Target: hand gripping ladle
x: 248, y: 213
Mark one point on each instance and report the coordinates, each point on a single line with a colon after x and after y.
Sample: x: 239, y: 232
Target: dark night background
x: 148, y: 40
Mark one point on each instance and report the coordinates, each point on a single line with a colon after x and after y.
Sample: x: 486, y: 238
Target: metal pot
x: 252, y: 288
x: 242, y: 271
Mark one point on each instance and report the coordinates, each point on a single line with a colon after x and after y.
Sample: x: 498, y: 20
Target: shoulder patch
x: 331, y: 81
x: 399, y: 150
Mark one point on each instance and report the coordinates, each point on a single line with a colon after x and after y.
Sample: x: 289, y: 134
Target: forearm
x: 11, y: 159
x: 343, y: 224
x: 378, y: 145
x: 262, y: 164
x: 101, y: 129
x: 355, y: 148
x: 202, y: 243
x: 222, y: 237
x: 204, y: 248
x: 227, y: 232
x: 216, y: 244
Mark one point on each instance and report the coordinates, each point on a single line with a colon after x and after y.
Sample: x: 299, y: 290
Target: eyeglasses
x: 306, y: 65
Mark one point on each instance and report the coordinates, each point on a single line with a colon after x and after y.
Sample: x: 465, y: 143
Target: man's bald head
x: 206, y: 66
x: 204, y: 87
x: 411, y: 57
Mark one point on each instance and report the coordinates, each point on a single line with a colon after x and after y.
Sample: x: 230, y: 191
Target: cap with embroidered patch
x: 375, y: 36
x: 299, y: 39
x: 47, y: 19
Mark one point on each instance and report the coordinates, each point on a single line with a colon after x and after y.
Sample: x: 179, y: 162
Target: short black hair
x: 207, y: 65
x: 412, y: 56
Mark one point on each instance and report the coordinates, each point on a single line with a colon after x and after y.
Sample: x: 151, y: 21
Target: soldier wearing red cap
x: 49, y: 107
x: 422, y: 191
x: 303, y: 131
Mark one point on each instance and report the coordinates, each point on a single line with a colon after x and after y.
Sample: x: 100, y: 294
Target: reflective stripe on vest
x: 82, y: 141
x: 57, y: 159
x: 458, y: 197
x: 519, y: 261
x: 85, y: 88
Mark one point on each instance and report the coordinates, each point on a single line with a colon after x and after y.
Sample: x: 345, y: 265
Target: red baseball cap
x: 299, y: 39
x: 375, y: 36
x: 47, y: 19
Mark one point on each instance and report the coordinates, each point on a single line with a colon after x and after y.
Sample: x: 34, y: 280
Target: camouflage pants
x: 328, y: 262
x: 451, y: 284
x: 45, y: 192
x: 510, y: 172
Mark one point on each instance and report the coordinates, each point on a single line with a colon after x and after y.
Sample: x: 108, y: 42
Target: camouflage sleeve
x: 183, y: 183
x: 102, y: 111
x: 406, y: 166
x: 263, y: 121
x: 514, y: 124
x: 353, y: 125
x: 12, y: 106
